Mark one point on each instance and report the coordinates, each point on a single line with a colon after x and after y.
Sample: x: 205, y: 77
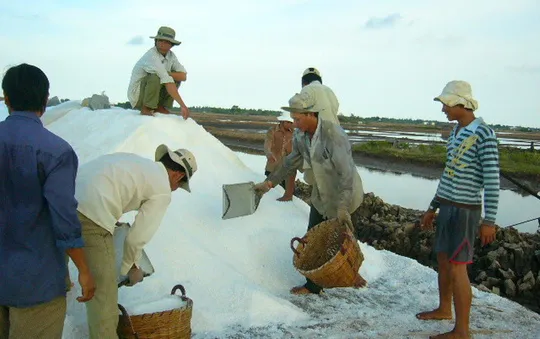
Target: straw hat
x: 457, y: 92
x: 166, y: 33
x: 298, y: 105
x: 182, y: 157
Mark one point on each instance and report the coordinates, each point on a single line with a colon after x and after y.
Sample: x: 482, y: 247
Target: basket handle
x: 179, y: 287
x: 300, y: 240
x: 126, y: 315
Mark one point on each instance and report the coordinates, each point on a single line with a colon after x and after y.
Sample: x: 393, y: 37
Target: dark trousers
x: 315, y: 218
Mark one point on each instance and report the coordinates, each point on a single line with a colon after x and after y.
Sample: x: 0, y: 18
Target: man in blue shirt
x: 38, y: 214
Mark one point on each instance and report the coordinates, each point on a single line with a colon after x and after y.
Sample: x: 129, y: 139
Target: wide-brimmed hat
x: 182, y: 157
x: 285, y: 116
x: 458, y: 92
x: 298, y: 105
x: 166, y: 33
x: 311, y: 70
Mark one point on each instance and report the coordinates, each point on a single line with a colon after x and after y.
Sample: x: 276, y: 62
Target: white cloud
x: 384, y: 22
x: 137, y: 40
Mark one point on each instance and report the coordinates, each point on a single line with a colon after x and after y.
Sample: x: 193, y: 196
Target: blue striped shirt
x: 472, y: 163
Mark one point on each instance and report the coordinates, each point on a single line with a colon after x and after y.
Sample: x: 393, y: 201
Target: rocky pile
x: 510, y: 266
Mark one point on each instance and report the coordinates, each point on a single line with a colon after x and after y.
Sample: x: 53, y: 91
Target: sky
x: 381, y: 58
x: 238, y: 271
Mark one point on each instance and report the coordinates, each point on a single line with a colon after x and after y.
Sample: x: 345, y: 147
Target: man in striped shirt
x: 472, y: 164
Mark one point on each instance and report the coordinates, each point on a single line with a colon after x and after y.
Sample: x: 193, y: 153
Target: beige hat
x: 298, y: 105
x: 166, y: 33
x: 182, y: 157
x: 458, y: 92
x: 311, y: 70
x: 285, y: 116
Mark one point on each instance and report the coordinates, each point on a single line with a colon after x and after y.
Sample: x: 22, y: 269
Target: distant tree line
x: 236, y: 110
x: 356, y: 119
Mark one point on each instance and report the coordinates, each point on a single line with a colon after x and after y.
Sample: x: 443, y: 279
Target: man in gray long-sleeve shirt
x: 337, y: 187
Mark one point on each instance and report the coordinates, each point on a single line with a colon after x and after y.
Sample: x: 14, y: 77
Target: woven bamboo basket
x: 329, y: 255
x: 171, y: 324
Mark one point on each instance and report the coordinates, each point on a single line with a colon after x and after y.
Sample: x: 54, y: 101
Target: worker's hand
x: 487, y: 234
x: 271, y: 158
x: 263, y: 187
x: 344, y: 218
x: 88, y: 286
x: 185, y: 112
x: 426, y: 223
x: 135, y: 275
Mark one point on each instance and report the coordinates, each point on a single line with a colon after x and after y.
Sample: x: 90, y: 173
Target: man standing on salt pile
x: 108, y: 187
x: 319, y: 96
x: 277, y: 145
x: 337, y: 188
x: 38, y: 214
x: 472, y: 163
x: 156, y: 77
x: 323, y: 100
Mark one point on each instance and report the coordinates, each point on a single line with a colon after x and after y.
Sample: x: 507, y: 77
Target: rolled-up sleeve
x: 59, y: 192
x: 177, y: 66
x: 143, y: 229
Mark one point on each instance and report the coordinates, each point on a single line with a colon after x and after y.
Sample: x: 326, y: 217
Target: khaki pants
x: 102, y: 311
x: 43, y: 321
x: 153, y: 93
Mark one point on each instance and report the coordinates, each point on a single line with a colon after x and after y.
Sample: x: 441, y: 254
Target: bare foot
x: 284, y: 198
x: 360, y: 281
x: 451, y: 335
x: 436, y: 314
x: 147, y: 111
x: 302, y: 290
x: 162, y: 109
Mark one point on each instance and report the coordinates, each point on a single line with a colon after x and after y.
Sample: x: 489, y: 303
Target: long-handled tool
x: 520, y: 185
x: 526, y: 189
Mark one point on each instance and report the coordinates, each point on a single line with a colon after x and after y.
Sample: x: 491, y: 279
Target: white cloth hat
x: 285, y: 116
x: 182, y: 157
x: 298, y: 105
x: 458, y: 92
x: 311, y: 70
